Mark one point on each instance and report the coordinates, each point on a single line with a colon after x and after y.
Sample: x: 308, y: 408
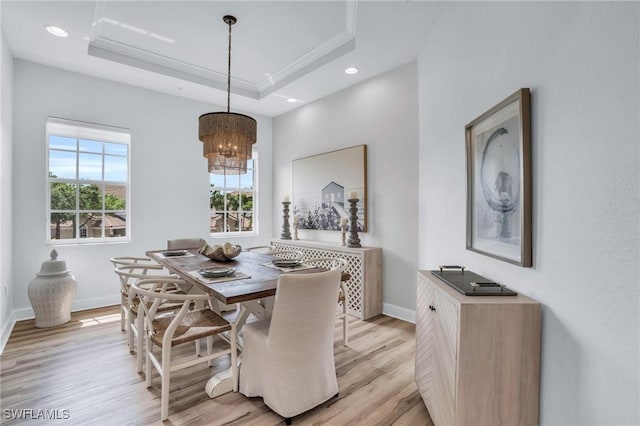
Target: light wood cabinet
x: 477, y: 357
x: 364, y: 264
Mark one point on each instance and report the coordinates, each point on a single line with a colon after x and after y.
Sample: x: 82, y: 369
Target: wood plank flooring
x: 82, y: 374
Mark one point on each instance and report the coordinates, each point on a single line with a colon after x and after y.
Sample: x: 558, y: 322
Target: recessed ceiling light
x: 56, y: 31
x: 351, y: 70
x: 292, y: 100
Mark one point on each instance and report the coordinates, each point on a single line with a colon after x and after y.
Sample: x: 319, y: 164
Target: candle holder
x: 353, y: 241
x: 286, y: 234
x: 344, y: 234
x: 295, y: 230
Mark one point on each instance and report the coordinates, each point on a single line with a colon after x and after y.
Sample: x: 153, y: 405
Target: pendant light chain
x: 229, y: 72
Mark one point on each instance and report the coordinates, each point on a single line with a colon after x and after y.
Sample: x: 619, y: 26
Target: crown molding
x: 126, y: 54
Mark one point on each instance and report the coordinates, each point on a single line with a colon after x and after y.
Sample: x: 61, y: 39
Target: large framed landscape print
x: 499, y: 181
x: 323, y: 183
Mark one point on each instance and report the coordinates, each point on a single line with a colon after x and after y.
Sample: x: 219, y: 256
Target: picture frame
x: 498, y: 150
x: 322, y: 184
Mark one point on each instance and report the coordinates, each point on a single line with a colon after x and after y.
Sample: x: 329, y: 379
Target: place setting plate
x: 172, y: 253
x: 217, y: 272
x: 286, y: 263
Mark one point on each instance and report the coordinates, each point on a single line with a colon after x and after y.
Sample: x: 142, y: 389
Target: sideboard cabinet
x: 477, y: 357
x: 364, y: 264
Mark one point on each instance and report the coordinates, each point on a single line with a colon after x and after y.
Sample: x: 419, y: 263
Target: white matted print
x: 498, y: 181
x: 322, y: 185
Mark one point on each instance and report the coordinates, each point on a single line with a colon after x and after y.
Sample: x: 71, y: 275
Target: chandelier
x: 227, y: 137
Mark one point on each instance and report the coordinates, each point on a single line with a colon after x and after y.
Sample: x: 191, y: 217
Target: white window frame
x: 254, y: 232
x: 94, y: 132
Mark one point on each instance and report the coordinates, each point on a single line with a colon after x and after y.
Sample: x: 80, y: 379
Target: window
x: 87, y: 182
x: 232, y: 201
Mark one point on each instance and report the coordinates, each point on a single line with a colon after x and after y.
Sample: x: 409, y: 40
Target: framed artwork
x: 322, y: 184
x: 499, y: 181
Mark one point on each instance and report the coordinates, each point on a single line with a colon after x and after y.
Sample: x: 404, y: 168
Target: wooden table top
x: 261, y: 282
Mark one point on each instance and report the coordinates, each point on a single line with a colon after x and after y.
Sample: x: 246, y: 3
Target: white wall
x: 6, y: 283
x: 381, y: 113
x: 581, y: 61
x: 169, y: 180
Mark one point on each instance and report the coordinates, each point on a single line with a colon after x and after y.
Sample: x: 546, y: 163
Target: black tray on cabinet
x: 471, y: 284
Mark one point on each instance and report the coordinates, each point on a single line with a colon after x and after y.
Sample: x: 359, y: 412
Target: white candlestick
x: 353, y: 195
x: 286, y: 198
x: 343, y: 221
x: 296, y: 219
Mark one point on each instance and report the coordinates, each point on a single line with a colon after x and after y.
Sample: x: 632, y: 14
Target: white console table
x: 364, y: 264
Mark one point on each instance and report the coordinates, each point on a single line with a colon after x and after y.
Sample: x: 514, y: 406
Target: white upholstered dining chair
x: 343, y: 294
x: 186, y: 325
x: 289, y: 362
x: 184, y: 243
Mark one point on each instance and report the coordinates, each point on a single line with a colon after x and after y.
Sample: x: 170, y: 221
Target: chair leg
x: 166, y: 376
x: 209, y: 349
x: 139, y: 339
x: 345, y: 328
x: 198, y: 305
x: 130, y: 321
x: 122, y: 316
x: 147, y: 366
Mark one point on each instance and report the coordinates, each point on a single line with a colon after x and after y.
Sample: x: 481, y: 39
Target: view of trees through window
x: 88, y: 184
x: 65, y: 215
x: 231, y: 199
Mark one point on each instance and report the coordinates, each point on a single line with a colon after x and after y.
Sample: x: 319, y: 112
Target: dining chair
x: 184, y: 243
x: 129, y: 274
x: 289, y: 361
x: 343, y: 295
x: 260, y: 249
x: 167, y: 331
x: 139, y: 262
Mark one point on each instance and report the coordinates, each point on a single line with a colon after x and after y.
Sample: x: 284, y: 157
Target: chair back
x: 287, y: 254
x: 134, y: 262
x: 184, y: 243
x: 131, y: 272
x: 302, y: 324
x: 260, y: 249
x: 328, y: 262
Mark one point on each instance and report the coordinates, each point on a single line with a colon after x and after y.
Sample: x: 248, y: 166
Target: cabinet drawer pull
x: 432, y: 308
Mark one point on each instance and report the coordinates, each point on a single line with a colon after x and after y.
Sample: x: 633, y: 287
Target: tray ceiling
x: 295, y: 49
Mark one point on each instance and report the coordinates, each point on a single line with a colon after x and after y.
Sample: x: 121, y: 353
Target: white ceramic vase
x: 51, y: 293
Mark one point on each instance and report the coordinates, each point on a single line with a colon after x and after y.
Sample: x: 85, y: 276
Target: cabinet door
x: 445, y: 325
x: 424, y: 344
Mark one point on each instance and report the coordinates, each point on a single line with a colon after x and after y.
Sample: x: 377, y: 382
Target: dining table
x: 252, y: 287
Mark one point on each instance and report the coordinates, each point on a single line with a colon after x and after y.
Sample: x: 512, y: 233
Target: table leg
x: 221, y: 382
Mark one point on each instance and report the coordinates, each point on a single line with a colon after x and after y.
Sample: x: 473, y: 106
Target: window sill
x: 218, y: 236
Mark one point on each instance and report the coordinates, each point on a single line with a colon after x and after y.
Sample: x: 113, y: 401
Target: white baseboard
x: 7, y: 327
x: 27, y: 313
x: 99, y: 302
x: 399, y: 312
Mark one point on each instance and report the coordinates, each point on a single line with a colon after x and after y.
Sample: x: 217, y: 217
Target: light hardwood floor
x: 83, y: 370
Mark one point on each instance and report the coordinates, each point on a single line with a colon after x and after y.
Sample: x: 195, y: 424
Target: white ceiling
x: 284, y: 49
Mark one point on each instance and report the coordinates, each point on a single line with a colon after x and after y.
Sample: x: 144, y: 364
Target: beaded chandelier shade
x: 227, y: 137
